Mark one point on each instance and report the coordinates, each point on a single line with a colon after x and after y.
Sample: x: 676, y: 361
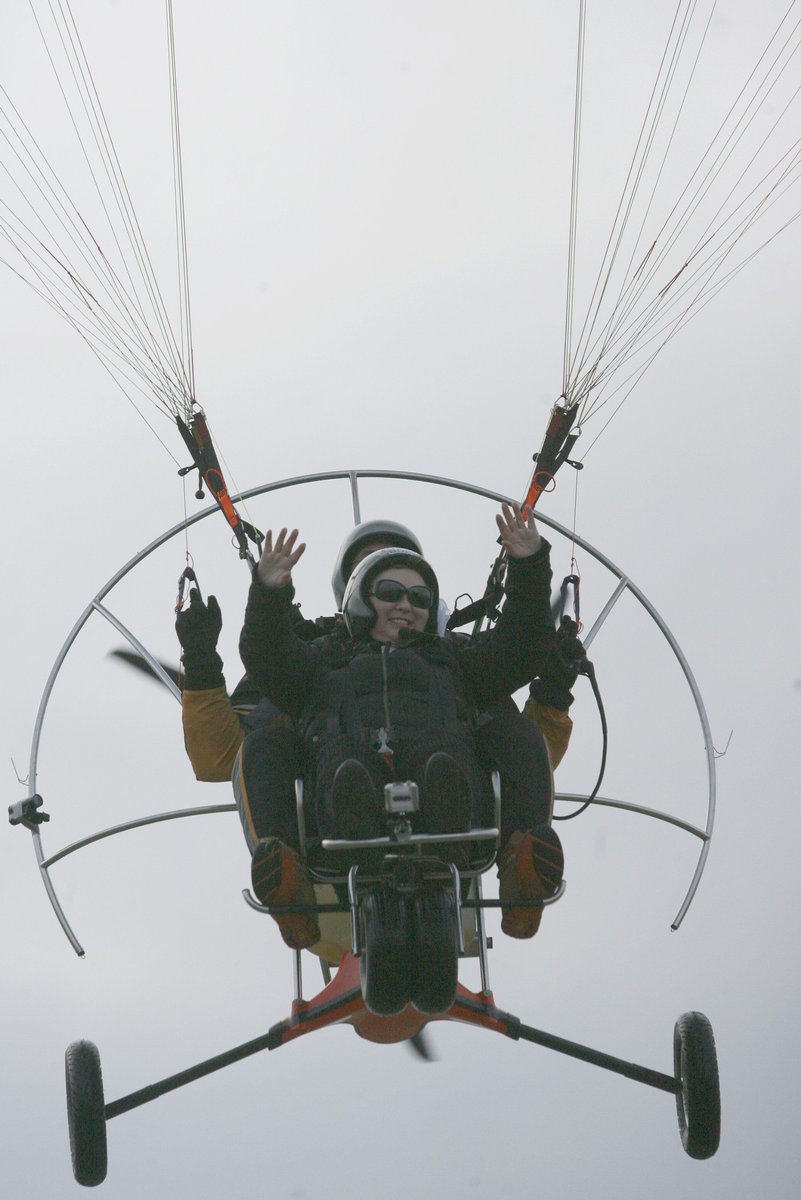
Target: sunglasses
x: 390, y: 591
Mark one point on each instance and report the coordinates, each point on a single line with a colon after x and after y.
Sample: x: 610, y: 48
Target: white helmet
x: 357, y: 610
x: 390, y: 532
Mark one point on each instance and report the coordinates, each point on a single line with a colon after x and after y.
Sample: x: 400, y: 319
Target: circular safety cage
x: 28, y: 812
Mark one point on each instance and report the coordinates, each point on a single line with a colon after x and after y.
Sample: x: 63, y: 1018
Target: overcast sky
x: 377, y: 204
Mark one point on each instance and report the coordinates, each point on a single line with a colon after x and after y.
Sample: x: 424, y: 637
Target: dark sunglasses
x: 390, y: 591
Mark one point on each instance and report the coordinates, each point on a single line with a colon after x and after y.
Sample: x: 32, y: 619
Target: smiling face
x: 392, y: 616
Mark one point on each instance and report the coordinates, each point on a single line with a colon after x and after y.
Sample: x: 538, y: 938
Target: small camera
x: 401, y: 797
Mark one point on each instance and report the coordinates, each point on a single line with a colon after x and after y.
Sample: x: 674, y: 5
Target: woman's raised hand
x: 519, y: 534
x: 276, y: 562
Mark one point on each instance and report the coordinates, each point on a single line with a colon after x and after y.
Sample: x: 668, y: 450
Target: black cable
x: 589, y: 670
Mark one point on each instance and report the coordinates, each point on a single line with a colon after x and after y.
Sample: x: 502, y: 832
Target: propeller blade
x: 140, y: 664
x: 421, y: 1046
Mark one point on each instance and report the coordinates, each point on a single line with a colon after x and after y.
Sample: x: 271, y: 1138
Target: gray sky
x: 377, y: 204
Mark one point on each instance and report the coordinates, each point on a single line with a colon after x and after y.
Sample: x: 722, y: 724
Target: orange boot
x: 279, y: 877
x: 530, y: 869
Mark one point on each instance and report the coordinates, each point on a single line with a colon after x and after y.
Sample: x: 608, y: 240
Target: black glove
x: 562, y: 669
x: 198, y: 628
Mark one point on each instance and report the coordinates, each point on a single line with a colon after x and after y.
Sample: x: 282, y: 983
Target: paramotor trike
x: 395, y: 924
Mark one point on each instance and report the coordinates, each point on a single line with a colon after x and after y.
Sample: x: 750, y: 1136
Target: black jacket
x: 402, y: 688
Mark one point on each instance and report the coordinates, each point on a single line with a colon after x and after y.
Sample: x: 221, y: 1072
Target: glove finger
x: 195, y: 597
x: 214, y: 610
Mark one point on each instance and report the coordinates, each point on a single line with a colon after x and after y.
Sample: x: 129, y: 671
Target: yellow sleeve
x: 212, y: 733
x: 555, y: 724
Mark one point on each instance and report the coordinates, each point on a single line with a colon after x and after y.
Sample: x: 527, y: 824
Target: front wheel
x: 436, y: 944
x: 86, y: 1113
x: 695, y: 1065
x: 385, y: 962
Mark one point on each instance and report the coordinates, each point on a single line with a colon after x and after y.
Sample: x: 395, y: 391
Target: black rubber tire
x: 695, y: 1063
x: 385, y: 964
x: 86, y: 1113
x: 436, y: 951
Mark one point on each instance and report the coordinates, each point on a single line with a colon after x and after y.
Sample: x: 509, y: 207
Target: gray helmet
x: 357, y: 610
x: 389, y: 532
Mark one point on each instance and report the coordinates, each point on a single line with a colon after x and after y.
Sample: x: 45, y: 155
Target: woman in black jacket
x: 396, y: 701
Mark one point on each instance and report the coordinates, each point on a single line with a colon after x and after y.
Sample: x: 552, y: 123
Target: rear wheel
x: 695, y: 1064
x: 386, y: 955
x: 436, y: 951
x: 86, y: 1113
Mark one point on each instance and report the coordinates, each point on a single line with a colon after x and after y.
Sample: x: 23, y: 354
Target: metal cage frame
x: 25, y: 811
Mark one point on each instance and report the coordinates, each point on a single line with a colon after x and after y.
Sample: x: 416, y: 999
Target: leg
x: 451, y: 782
x: 515, y: 746
x: 263, y: 779
x: 264, y: 785
x: 531, y: 862
x: 347, y: 780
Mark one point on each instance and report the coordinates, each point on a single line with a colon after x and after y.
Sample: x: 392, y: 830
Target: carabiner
x: 187, y: 576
